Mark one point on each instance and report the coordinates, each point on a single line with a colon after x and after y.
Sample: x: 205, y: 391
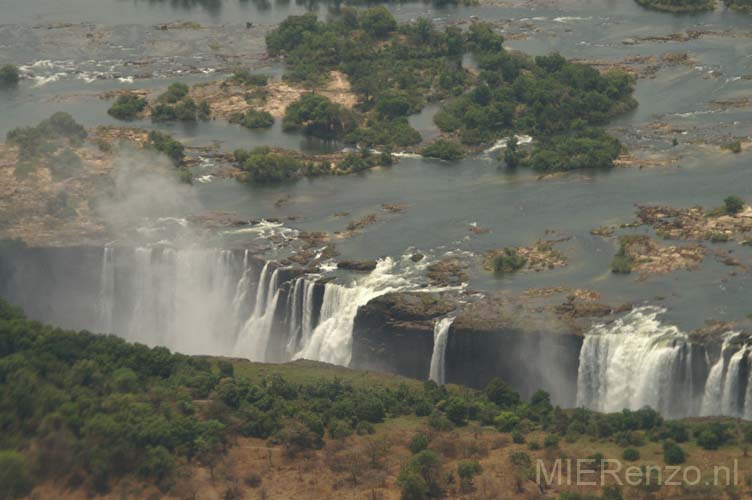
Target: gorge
x: 234, y: 304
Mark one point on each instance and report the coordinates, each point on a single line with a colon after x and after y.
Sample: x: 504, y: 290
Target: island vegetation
x: 127, y: 107
x: 91, y: 411
x: 396, y: 69
x: 678, y: 5
x: 739, y: 5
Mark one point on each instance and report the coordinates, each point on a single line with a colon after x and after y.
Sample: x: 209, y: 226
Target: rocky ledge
x: 491, y: 336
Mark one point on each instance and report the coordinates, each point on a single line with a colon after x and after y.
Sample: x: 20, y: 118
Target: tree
x: 501, y: 394
x: 378, y: 21
x: 467, y: 470
x: 733, y: 205
x: 127, y: 107
x: 15, y: 481
x: 673, y: 454
x: 317, y: 116
x: 418, y: 443
x: 443, y: 149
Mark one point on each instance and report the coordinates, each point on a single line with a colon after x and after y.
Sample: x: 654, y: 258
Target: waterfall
x: 300, y: 315
x: 723, y: 386
x: 639, y: 361
x: 331, y: 339
x: 254, y: 336
x: 106, y: 289
x: 440, y: 338
x: 632, y: 363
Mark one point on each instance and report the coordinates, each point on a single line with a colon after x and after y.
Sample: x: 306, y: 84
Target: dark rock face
x: 526, y: 360
x: 394, y: 333
x: 357, y: 265
x: 528, y: 348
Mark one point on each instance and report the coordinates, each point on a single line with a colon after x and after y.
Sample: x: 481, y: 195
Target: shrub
x: 551, y: 441
x: 443, y: 149
x: 15, y: 481
x: 245, y: 77
x: 174, y: 93
x: 378, y: 21
x: 501, y: 394
x: 733, y: 205
x: 418, y: 443
x: 127, y: 107
x: 631, y: 454
x: 266, y: 166
x: 518, y: 437
x: 317, y: 116
x: 507, y: 261
x: 254, y: 119
x: 733, y: 146
x: 673, y: 454
x: 506, y: 421
x: 339, y: 429
x: 9, y: 75
x: 164, y: 143
x: 467, y: 470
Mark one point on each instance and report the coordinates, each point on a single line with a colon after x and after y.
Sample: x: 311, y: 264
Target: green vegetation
x: 317, y: 116
x: 443, y: 149
x: 253, y: 119
x: 631, y: 454
x: 127, y: 107
x: 265, y: 165
x: 245, y: 77
x: 9, y: 75
x: 733, y: 205
x: 89, y: 410
x: 394, y: 69
x: 164, y: 143
x: 678, y: 5
x: 739, y: 5
x: 555, y: 101
x: 673, y: 454
x: 507, y: 261
x: 175, y: 105
x: 46, y: 136
x: 734, y: 146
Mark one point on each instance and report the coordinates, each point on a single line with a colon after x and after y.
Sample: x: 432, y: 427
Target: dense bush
x: 245, y: 77
x: 253, y: 119
x: 733, y: 205
x: 507, y: 261
x: 673, y: 454
x: 630, y: 454
x: 443, y: 149
x: 127, y: 107
x: 175, y: 105
x: 164, y: 143
x: 33, y: 141
x: 678, y: 5
x: 317, y: 116
x: 265, y: 165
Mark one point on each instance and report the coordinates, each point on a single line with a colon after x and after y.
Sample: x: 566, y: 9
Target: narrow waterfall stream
x: 440, y: 338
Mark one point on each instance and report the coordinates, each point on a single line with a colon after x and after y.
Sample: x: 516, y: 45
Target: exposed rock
x: 696, y: 223
x: 357, y: 265
x: 650, y: 257
x: 538, y: 257
x: 394, y: 332
x: 450, y: 271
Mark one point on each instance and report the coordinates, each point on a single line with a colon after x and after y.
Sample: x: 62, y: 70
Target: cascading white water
x: 437, y: 372
x: 253, y: 340
x: 300, y: 315
x: 630, y: 363
x: 106, y: 289
x: 331, y: 340
x: 722, y: 388
x: 638, y: 361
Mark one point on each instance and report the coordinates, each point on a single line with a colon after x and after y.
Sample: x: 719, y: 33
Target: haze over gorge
x: 552, y: 196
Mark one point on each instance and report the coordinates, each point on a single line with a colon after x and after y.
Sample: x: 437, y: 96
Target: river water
x: 71, y: 51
